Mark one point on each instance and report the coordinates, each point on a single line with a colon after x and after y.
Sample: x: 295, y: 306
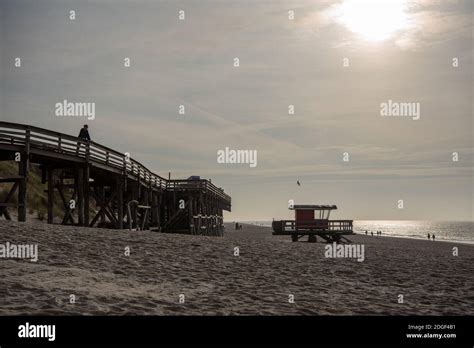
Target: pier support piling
x: 50, y: 181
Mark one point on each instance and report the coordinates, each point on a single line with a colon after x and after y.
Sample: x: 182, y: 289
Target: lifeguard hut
x: 313, y: 220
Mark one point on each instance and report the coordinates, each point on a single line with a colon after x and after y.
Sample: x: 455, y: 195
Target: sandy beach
x: 91, y: 264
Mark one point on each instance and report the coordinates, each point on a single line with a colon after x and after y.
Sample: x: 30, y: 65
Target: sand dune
x: 91, y: 264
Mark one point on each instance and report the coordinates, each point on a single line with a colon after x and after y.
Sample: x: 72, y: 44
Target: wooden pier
x: 101, y: 187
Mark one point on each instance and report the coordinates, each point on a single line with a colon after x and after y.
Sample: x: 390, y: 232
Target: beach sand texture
x: 91, y: 264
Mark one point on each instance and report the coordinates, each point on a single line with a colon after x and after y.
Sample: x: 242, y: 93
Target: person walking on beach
x: 372, y: 233
x: 429, y: 236
x: 365, y: 232
x: 433, y: 236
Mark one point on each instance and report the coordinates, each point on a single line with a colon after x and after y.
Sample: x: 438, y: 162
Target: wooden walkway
x: 99, y: 186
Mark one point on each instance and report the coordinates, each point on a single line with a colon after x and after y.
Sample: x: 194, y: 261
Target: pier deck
x: 107, y: 188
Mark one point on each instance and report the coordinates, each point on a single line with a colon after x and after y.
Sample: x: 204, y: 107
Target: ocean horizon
x: 448, y: 231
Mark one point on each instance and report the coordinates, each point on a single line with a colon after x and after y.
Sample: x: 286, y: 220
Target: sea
x: 450, y: 231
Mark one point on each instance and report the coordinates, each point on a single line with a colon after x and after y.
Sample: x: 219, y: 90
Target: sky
x: 336, y: 62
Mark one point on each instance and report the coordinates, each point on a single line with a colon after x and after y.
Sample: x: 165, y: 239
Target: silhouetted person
x: 372, y: 233
x: 84, y: 136
x: 365, y: 232
x: 84, y: 133
x: 429, y: 236
x: 236, y: 226
x: 433, y: 236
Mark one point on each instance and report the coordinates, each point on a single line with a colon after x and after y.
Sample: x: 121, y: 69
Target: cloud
x: 435, y: 27
x: 282, y: 62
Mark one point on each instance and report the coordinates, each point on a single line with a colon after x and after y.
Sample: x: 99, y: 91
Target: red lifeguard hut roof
x: 313, y: 207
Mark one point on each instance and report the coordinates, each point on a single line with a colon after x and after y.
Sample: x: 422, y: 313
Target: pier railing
x: 59, y: 145
x: 197, y: 185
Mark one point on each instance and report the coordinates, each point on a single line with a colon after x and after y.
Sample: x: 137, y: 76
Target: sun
x: 372, y: 20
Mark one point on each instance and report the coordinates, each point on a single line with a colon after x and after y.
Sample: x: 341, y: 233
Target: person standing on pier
x: 84, y: 133
x: 84, y: 136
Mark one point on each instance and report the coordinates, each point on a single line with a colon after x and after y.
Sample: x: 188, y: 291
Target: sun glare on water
x: 372, y: 20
